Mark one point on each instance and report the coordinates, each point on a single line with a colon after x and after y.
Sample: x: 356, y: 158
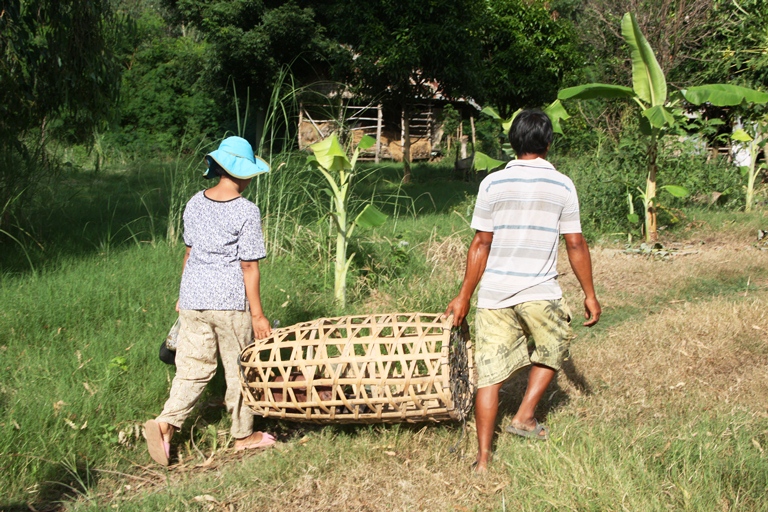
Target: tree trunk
x: 651, y: 233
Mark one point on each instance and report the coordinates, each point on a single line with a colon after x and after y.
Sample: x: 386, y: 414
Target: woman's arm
x: 183, y: 266
x: 252, y: 278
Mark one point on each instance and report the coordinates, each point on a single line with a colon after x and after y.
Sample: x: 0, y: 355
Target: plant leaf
x: 483, y: 162
x: 723, y: 95
x: 645, y: 126
x: 633, y: 218
x: 592, y: 91
x: 492, y: 112
x: 741, y: 136
x: 659, y: 116
x: 676, y: 190
x: 556, y: 112
x: 366, y: 142
x: 370, y: 217
x: 506, y: 125
x: 648, y: 79
x: 330, y: 155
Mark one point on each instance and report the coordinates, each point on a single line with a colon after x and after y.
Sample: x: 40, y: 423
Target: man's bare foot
x: 481, y: 463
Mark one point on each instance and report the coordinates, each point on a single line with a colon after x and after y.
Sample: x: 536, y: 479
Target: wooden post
x: 406, y: 137
x: 301, y: 119
x: 402, y: 130
x: 379, y: 123
x: 430, y: 137
x: 474, y: 138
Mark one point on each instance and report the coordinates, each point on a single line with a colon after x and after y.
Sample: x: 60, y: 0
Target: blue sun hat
x: 235, y: 156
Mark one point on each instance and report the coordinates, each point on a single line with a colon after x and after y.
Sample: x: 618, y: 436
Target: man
x: 520, y: 213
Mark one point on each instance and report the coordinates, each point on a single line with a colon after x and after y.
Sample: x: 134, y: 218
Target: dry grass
x: 659, y: 404
x: 677, y: 353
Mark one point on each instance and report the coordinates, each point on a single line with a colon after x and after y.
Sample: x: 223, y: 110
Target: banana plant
x: 673, y: 190
x: 659, y: 112
x: 482, y: 162
x: 754, y: 146
x: 330, y: 158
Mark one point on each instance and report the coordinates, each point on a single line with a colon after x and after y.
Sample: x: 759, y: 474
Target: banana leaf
x: 330, y: 155
x: 648, y: 79
x: 659, y: 116
x: 676, y: 190
x: 556, y: 112
x: 483, y: 162
x: 723, y: 95
x: 370, y: 217
x: 593, y: 91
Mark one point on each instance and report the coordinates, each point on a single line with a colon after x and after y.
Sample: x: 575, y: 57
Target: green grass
x: 79, y: 370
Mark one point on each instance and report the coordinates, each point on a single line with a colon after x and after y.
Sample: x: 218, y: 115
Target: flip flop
x: 266, y: 441
x: 540, y: 432
x: 159, y: 450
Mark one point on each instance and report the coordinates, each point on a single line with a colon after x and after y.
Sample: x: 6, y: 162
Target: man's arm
x: 477, y: 258
x: 252, y: 279
x: 581, y: 263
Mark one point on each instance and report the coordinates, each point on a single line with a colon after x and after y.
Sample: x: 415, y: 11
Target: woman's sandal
x: 250, y: 443
x: 159, y: 448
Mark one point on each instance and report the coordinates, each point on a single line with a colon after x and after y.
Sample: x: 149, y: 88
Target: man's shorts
x: 503, y: 334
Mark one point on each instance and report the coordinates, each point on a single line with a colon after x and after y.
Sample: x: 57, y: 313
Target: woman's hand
x: 261, y: 327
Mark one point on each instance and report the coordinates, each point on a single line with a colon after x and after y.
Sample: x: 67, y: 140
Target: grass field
x: 663, y: 405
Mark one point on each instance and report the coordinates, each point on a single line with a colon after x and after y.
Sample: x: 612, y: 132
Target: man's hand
x: 459, y: 308
x: 581, y: 263
x: 592, y: 311
x: 477, y: 257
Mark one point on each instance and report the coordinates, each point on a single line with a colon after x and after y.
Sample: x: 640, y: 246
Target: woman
x: 219, y: 300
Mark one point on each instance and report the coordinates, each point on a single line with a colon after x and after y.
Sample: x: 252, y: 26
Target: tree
x: 658, y: 112
x: 57, y: 59
x: 57, y: 69
x: 527, y: 52
x: 405, y: 52
x: 674, y: 28
x: 167, y: 87
x: 736, y: 47
x: 253, y: 40
x: 754, y: 143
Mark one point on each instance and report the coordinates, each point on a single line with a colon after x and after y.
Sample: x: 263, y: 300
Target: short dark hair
x: 531, y: 133
x: 214, y: 169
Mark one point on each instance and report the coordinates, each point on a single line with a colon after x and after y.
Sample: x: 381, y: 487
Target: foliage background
x: 106, y: 108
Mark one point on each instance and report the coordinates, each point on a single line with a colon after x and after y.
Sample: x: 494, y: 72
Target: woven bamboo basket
x: 410, y: 367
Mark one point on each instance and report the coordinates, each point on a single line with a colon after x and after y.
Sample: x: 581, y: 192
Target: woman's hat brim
x: 237, y: 166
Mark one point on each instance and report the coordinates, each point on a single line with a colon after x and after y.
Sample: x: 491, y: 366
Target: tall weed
x: 182, y: 181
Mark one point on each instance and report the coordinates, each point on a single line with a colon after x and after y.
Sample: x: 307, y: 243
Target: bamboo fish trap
x: 410, y: 367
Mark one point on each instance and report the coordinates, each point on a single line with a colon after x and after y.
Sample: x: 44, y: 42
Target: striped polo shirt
x: 527, y: 206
